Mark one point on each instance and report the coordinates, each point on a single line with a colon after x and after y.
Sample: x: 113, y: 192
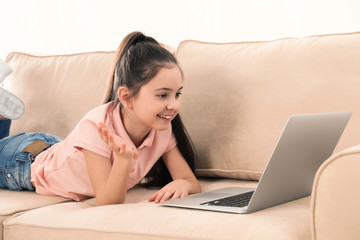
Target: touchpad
x: 210, y: 195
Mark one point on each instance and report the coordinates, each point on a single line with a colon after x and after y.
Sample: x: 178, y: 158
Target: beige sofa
x: 236, y: 100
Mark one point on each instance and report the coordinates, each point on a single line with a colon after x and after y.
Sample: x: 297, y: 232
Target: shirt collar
x: 148, y: 141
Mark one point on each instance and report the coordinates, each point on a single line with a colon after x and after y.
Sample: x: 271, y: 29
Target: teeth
x: 166, y: 117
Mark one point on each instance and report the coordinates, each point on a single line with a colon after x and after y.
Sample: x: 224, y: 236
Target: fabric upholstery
x: 335, y: 202
x: 12, y: 202
x: 147, y: 221
x: 143, y: 220
x: 57, y: 90
x: 238, y: 96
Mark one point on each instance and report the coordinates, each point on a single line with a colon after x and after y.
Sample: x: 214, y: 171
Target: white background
x: 70, y: 26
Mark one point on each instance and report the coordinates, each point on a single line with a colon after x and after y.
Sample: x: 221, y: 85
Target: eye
x: 178, y: 94
x: 162, y: 95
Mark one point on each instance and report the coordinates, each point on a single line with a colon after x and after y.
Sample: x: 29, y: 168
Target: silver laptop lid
x: 306, y: 142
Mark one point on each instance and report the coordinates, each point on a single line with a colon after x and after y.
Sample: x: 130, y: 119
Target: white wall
x: 67, y: 26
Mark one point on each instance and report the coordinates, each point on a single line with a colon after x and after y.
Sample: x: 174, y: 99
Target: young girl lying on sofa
x: 136, y: 133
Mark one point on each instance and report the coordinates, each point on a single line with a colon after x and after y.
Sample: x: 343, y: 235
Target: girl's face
x: 158, y: 101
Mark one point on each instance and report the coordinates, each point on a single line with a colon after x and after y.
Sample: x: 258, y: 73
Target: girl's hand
x: 175, y: 189
x: 116, y: 144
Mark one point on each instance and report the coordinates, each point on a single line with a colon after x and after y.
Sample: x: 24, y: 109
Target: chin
x: 162, y: 127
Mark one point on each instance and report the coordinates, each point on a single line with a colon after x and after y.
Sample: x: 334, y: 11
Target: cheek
x: 178, y: 105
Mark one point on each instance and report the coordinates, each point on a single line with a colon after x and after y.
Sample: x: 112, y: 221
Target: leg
x: 4, y: 127
x: 11, y: 107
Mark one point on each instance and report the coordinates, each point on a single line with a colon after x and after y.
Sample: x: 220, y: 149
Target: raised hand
x: 116, y: 144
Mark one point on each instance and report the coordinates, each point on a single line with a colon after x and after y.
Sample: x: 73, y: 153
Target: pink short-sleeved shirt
x: 61, y: 170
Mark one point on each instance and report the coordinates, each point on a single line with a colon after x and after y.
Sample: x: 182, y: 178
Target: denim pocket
x: 11, y: 180
x: 17, y: 177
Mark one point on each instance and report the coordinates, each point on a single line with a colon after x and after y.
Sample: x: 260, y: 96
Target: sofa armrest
x: 335, y: 197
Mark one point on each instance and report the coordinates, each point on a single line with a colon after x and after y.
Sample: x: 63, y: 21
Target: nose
x: 174, y: 105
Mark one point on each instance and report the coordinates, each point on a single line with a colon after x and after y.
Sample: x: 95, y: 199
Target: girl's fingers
x: 115, y: 144
x: 176, y: 195
x: 152, y: 198
x: 122, y: 148
x: 99, y: 129
x: 184, y: 194
x: 103, y: 133
x: 159, y: 197
x: 112, y: 144
x: 166, y: 196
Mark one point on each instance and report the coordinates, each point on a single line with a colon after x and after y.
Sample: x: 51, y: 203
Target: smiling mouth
x: 166, y: 117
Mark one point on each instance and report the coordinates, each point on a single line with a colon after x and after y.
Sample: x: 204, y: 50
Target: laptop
x: 307, y: 140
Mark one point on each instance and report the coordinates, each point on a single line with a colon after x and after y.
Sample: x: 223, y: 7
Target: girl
x: 137, y: 133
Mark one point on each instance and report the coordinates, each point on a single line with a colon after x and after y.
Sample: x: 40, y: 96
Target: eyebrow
x: 167, y: 89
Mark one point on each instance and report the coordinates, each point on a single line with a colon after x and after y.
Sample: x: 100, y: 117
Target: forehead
x: 166, y: 78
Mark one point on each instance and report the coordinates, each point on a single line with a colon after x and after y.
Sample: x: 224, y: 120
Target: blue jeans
x: 4, y: 128
x: 14, y: 162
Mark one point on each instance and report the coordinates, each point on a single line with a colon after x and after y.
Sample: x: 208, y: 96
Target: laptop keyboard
x: 239, y: 200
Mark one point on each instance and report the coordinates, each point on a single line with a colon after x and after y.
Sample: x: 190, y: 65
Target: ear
x: 124, y: 96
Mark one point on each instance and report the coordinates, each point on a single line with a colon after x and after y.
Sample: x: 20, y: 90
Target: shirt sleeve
x: 172, y: 143
x: 87, y: 137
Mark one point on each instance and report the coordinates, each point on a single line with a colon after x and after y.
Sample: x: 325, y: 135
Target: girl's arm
x: 109, y: 181
x: 184, y: 181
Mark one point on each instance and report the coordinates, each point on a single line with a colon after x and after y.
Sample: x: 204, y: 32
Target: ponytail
x: 126, y: 43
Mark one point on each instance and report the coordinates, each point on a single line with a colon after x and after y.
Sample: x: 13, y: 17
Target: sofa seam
x: 13, y: 213
x: 182, y: 43
x: 55, y: 55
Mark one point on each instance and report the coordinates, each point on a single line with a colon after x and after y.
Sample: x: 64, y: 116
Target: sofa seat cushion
x: 76, y: 220
x: 12, y: 202
x: 143, y: 220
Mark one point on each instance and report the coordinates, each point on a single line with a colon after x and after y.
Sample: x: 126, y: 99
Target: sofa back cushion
x: 238, y: 96
x: 57, y: 90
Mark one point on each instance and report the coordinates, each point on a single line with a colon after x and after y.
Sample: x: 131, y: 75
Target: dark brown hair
x: 137, y: 60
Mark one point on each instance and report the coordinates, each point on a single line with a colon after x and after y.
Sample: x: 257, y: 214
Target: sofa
x: 237, y: 98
